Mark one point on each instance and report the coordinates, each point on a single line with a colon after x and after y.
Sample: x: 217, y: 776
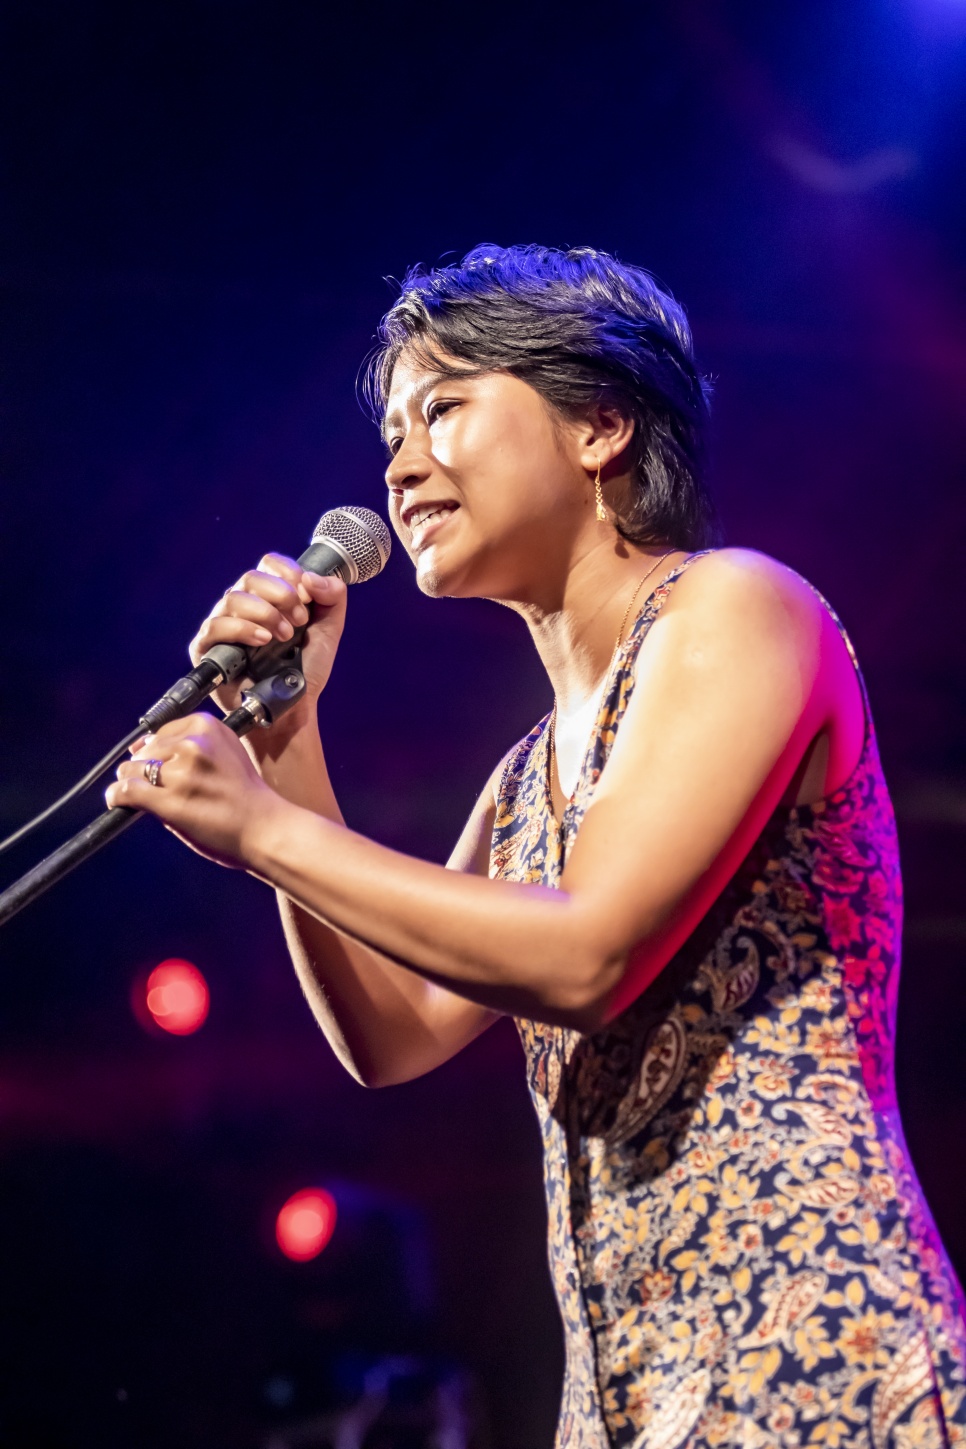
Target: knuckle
x: 260, y: 592
x: 210, y: 623
x: 256, y: 582
x: 202, y: 725
x: 280, y: 565
x: 242, y: 607
x: 228, y: 607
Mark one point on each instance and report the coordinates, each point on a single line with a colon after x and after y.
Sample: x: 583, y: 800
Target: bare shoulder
x: 739, y: 619
x: 744, y: 577
x: 741, y: 589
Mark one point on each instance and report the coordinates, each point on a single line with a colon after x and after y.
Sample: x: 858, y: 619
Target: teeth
x: 423, y: 515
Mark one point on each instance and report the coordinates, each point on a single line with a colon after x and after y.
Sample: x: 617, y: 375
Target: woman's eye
x: 393, y: 445
x: 437, y: 409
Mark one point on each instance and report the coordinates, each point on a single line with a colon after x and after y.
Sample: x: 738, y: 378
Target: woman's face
x: 487, y: 491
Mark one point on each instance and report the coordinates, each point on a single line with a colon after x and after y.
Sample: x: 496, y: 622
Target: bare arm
x: 384, y: 1023
x: 738, y: 677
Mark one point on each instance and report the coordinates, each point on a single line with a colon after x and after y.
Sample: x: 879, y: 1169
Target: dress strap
x: 515, y: 767
x: 654, y: 603
x: 850, y: 647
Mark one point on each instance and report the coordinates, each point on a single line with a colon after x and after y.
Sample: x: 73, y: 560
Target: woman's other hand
x: 269, y: 603
x: 208, y: 791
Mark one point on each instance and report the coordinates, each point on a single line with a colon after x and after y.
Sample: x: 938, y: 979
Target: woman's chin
x: 448, y: 573
x: 432, y: 577
x: 428, y: 582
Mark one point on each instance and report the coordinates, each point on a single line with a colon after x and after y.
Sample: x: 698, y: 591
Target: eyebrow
x: 418, y: 394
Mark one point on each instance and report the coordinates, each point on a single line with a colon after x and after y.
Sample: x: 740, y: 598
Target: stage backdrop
x: 204, y: 207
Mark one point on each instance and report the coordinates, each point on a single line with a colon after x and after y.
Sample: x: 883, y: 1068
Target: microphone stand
x: 261, y: 705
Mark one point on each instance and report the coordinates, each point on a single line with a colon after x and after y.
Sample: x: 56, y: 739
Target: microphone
x: 352, y: 542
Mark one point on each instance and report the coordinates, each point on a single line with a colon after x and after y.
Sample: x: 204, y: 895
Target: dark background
x: 202, y: 203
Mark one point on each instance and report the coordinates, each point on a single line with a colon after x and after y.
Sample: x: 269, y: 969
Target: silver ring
x: 152, y: 771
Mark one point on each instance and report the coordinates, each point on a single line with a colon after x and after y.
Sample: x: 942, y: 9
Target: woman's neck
x: 576, y: 633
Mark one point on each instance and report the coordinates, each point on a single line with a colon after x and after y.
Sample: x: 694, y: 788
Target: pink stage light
x: 177, y: 997
x: 305, y: 1223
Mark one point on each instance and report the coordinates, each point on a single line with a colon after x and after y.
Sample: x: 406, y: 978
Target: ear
x: 603, y: 437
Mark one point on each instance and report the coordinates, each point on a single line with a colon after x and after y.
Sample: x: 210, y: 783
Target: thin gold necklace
x: 551, y: 727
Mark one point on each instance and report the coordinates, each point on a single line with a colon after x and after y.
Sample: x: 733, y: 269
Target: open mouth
x: 425, y: 521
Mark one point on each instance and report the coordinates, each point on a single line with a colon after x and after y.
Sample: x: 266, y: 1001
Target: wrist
x: 289, y: 759
x: 266, y: 844
x: 265, y: 825
x: 291, y: 733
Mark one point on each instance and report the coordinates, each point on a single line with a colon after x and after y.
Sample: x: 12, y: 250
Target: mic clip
x: 267, y: 665
x: 271, y: 696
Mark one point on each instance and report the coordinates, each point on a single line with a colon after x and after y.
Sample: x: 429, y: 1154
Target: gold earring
x: 599, y: 496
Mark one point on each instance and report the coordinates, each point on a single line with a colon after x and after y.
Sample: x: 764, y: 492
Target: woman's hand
x: 268, y: 603
x: 208, y: 791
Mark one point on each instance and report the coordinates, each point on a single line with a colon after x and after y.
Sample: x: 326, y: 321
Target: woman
x: 684, y: 883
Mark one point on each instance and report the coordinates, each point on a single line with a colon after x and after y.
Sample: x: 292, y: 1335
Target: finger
x: 164, y: 742
x: 260, y: 620
x: 280, y: 619
x: 222, y: 627
x: 325, y: 589
x: 180, y: 747
x: 131, y: 776
x: 282, y: 566
x: 288, y: 569
x: 276, y: 592
x: 287, y: 594
x: 134, y: 793
x: 283, y: 595
x: 279, y: 580
x: 227, y: 629
x: 135, y: 769
x: 283, y: 592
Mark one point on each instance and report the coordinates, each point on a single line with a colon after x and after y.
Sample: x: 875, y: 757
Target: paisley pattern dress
x: 739, y: 1247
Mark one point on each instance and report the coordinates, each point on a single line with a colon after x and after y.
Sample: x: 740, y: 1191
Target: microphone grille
x: 361, y: 534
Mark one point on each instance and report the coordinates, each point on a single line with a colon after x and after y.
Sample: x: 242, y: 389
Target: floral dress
x: 739, y: 1247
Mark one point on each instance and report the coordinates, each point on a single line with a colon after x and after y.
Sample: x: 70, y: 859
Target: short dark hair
x: 581, y: 328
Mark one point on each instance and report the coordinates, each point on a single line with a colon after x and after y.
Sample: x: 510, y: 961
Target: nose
x: 409, y: 465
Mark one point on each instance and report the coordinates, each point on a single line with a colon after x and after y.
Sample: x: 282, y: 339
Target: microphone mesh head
x: 361, y: 534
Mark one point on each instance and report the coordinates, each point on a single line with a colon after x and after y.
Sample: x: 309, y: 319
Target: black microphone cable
x: 94, y: 773
x: 352, y: 542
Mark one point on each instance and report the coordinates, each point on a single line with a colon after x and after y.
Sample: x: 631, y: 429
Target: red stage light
x: 305, y: 1223
x: 176, y: 995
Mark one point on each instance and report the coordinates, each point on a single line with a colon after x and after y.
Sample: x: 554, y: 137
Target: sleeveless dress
x: 739, y: 1247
